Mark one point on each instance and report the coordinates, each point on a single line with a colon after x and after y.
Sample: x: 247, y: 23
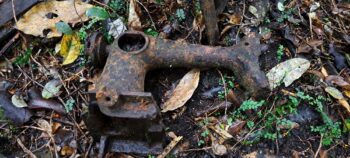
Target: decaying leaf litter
x: 306, y: 113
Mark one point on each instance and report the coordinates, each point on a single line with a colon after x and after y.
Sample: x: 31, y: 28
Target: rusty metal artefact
x: 129, y: 116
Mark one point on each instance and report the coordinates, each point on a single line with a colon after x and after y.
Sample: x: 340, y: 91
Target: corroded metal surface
x: 132, y: 115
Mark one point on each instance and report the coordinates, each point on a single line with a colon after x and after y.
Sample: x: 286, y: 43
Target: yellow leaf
x: 70, y: 48
x: 347, y: 93
x: 345, y: 104
x: 45, y: 15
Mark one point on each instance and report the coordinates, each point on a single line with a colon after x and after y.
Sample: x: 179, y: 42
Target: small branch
x: 25, y: 149
x: 319, y: 147
x: 13, y: 11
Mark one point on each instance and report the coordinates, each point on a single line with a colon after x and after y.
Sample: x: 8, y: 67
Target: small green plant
x: 151, y: 156
x: 280, y: 52
x: 289, y: 107
x: 118, y: 6
x: 151, y: 32
x: 2, y: 114
x: 265, y: 31
x: 268, y: 127
x: 205, y: 133
x: 330, y: 131
x: 23, y: 59
x: 229, y: 81
x: 160, y: 2
x: 197, y: 7
x: 250, y: 124
x: 180, y: 14
x: 250, y: 105
x: 69, y: 104
x: 83, y: 30
x: 97, y: 14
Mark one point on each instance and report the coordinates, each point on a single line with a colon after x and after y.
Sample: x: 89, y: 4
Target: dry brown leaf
x: 134, y: 22
x: 288, y: 126
x: 183, y: 91
x: 36, y: 21
x: 44, y: 125
x: 337, y: 80
x: 67, y: 151
x: 55, y: 126
x: 236, y: 127
x: 307, y: 47
x: 324, y: 71
x: 219, y: 149
x: 233, y: 19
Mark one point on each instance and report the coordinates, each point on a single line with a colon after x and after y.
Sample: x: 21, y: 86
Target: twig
x: 25, y: 149
x: 13, y: 11
x: 9, y: 43
x: 75, y: 9
x: 224, y: 83
x: 170, y: 146
x: 150, y: 17
x: 319, y: 147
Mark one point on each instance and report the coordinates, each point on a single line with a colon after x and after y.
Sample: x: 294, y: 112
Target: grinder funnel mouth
x: 132, y: 42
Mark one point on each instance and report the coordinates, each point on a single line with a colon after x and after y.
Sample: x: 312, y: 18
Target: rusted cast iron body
x: 130, y: 116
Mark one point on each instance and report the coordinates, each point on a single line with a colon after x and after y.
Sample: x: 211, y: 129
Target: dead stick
x: 8, y: 44
x: 171, y: 145
x: 25, y: 149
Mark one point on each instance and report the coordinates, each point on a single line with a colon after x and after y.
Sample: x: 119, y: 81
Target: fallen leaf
x: 335, y: 93
x: 308, y: 46
x: 323, y: 153
x: 324, y: 71
x: 219, y: 149
x: 116, y: 28
x: 251, y: 155
x: 236, y: 127
x: 224, y: 134
x: 347, y: 93
x: 36, y: 21
x: 133, y: 19
x: 314, y: 6
x: 287, y: 72
x: 63, y: 28
x: 288, y: 126
x: 55, y: 126
x: 18, y: 101
x: 51, y: 89
x: 70, y: 48
x: 67, y: 151
x: 233, y: 19
x: 345, y: 104
x: 253, y: 10
x: 337, y: 80
x: 280, y: 6
x: 97, y: 12
x: 44, y: 125
x: 183, y: 91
